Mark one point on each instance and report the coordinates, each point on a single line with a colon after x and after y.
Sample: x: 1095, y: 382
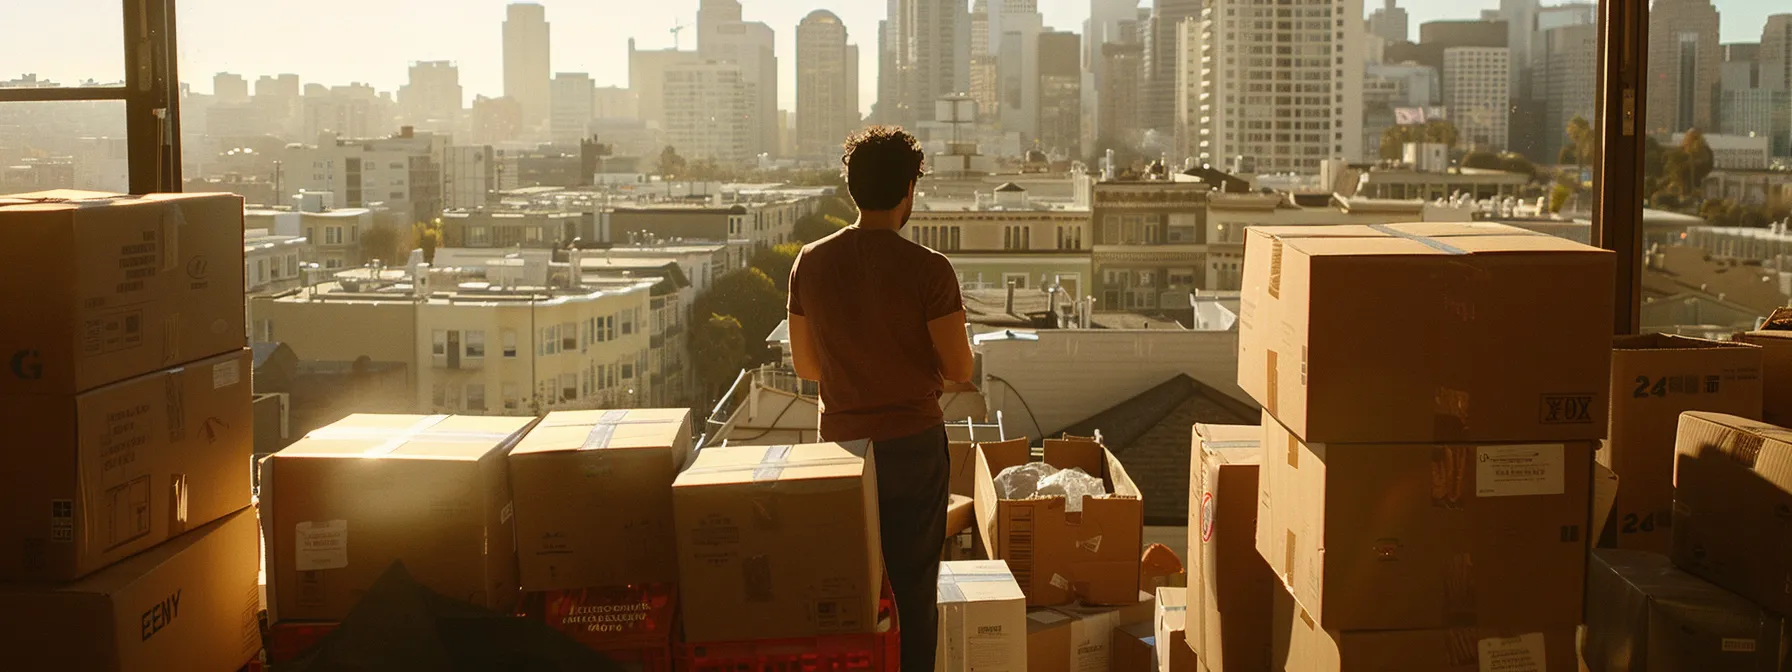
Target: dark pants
x: 913, y: 479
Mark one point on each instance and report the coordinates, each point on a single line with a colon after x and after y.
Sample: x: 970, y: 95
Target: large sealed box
x: 1775, y: 340
x: 102, y: 287
x: 1655, y: 378
x: 1059, y: 556
x: 778, y: 541
x: 1080, y: 639
x: 1307, y: 647
x: 1733, y: 506
x: 189, y: 604
x: 983, y: 618
x: 1230, y: 586
x: 1426, y: 332
x: 593, y: 492
x: 1418, y: 536
x: 1645, y: 615
x: 341, y: 505
x: 93, y: 478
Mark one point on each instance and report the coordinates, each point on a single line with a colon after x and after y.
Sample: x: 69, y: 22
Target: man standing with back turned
x: 879, y: 322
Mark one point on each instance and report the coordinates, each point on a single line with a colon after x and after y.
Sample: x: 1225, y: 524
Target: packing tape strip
x: 1244, y: 443
x: 173, y: 220
x: 772, y: 465
x: 1427, y: 241
x: 394, y: 438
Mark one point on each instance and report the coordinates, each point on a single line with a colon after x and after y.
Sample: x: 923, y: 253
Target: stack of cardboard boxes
x: 126, y: 541
x: 1433, y: 394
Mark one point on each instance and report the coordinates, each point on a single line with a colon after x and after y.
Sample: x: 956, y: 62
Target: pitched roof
x: 1151, y: 435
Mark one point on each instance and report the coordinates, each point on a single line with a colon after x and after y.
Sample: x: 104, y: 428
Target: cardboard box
x: 189, y: 604
x: 102, y: 287
x: 94, y: 478
x: 1416, y: 536
x: 1231, y: 586
x: 1731, y: 525
x: 983, y: 618
x: 1134, y: 649
x: 1655, y: 378
x: 1061, y: 557
x: 1306, y: 647
x: 593, y: 492
x: 1776, y: 366
x: 778, y: 541
x: 1605, y: 497
x: 1171, y: 628
x: 1644, y: 615
x: 1079, y: 639
x: 348, y: 500
x: 1384, y: 333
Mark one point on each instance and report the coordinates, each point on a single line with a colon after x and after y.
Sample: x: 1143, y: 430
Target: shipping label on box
x: 982, y: 618
x: 1415, y: 536
x: 1645, y: 614
x: 104, y: 287
x: 593, y: 493
x: 344, y: 503
x: 1731, y: 525
x: 1382, y: 333
x: 1060, y: 557
x: 1655, y: 378
x: 118, y: 469
x: 1230, y: 585
x: 188, y: 604
x: 778, y: 541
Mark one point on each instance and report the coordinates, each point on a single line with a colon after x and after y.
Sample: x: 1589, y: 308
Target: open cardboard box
x: 1060, y: 557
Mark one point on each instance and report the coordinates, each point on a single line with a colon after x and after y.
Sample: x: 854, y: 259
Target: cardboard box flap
x: 977, y: 581
x: 731, y: 465
x: 565, y: 431
x: 458, y: 437
x: 1779, y: 320
x: 1231, y: 444
x: 1001, y: 455
x: 1438, y: 238
x: 1084, y: 454
x: 1672, y: 342
x: 1764, y: 449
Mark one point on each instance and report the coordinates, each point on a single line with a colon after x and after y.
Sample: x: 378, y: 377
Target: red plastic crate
x: 631, y: 625
x: 875, y: 652
x: 285, y: 641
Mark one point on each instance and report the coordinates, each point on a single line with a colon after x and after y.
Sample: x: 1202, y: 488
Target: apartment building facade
x: 1149, y: 240
x: 991, y: 248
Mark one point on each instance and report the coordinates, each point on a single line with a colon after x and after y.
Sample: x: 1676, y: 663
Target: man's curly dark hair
x: 880, y: 164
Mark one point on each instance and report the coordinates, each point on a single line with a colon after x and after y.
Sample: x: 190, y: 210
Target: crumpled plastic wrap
x: 1038, y: 479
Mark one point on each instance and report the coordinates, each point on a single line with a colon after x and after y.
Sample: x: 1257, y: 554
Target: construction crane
x: 676, y: 29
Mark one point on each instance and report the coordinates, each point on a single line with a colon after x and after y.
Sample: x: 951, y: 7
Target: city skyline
x: 468, y: 33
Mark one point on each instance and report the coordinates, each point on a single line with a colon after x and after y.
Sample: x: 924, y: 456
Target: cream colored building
x: 476, y: 346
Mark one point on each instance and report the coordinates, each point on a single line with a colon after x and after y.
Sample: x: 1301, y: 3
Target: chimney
x: 576, y: 274
x: 420, y: 281
x: 1008, y: 305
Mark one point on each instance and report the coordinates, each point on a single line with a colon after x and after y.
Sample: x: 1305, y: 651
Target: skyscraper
x: 708, y: 108
x: 983, y: 61
x: 1242, y: 113
x: 752, y: 46
x: 1017, y: 69
x: 711, y: 15
x: 933, y: 53
x: 526, y: 69
x: 1776, y: 52
x: 1160, y: 93
x: 647, y: 77
x: 1060, y: 93
x: 827, y: 84
x: 1390, y: 22
x: 1684, y: 66
x: 1477, y: 94
x: 1567, y: 81
x: 574, y: 105
x: 432, y: 99
x: 230, y: 88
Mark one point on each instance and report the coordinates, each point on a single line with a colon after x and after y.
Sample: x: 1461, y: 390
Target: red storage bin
x: 286, y: 640
x: 632, y: 625
x: 875, y: 652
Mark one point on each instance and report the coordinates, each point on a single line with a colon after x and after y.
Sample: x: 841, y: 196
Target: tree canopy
x: 1394, y: 139
x: 718, y: 351
x: 750, y: 296
x: 776, y: 262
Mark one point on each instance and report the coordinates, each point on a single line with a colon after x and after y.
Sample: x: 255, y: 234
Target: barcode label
x: 1019, y: 546
x: 62, y: 520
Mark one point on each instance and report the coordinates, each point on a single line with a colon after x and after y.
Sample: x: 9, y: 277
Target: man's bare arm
x: 803, y: 356
x: 952, y: 346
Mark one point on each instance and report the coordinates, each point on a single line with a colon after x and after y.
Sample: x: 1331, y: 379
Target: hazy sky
x: 339, y: 41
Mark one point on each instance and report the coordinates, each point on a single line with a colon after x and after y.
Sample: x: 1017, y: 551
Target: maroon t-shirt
x: 868, y: 295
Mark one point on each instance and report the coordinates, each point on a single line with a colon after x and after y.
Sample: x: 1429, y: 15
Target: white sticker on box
x: 226, y: 374
x: 1059, y: 582
x: 1738, y: 645
x: 1522, y: 470
x: 1523, y: 653
x: 320, y: 545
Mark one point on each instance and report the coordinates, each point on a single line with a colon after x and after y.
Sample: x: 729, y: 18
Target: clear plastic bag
x: 1038, y: 479
x: 1073, y: 484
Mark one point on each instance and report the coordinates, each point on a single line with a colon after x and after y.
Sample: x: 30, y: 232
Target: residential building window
x: 1182, y: 277
x: 332, y: 235
x: 569, y: 386
x: 439, y: 343
x: 512, y: 400
x: 1019, y: 280
x: 569, y: 337
x: 475, y: 344
x: 1110, y: 230
x: 476, y: 396
x: 550, y: 340
x: 954, y: 243
x: 438, y: 395
x: 628, y: 323
x: 628, y: 371
x: 292, y: 265
x: 509, y: 336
